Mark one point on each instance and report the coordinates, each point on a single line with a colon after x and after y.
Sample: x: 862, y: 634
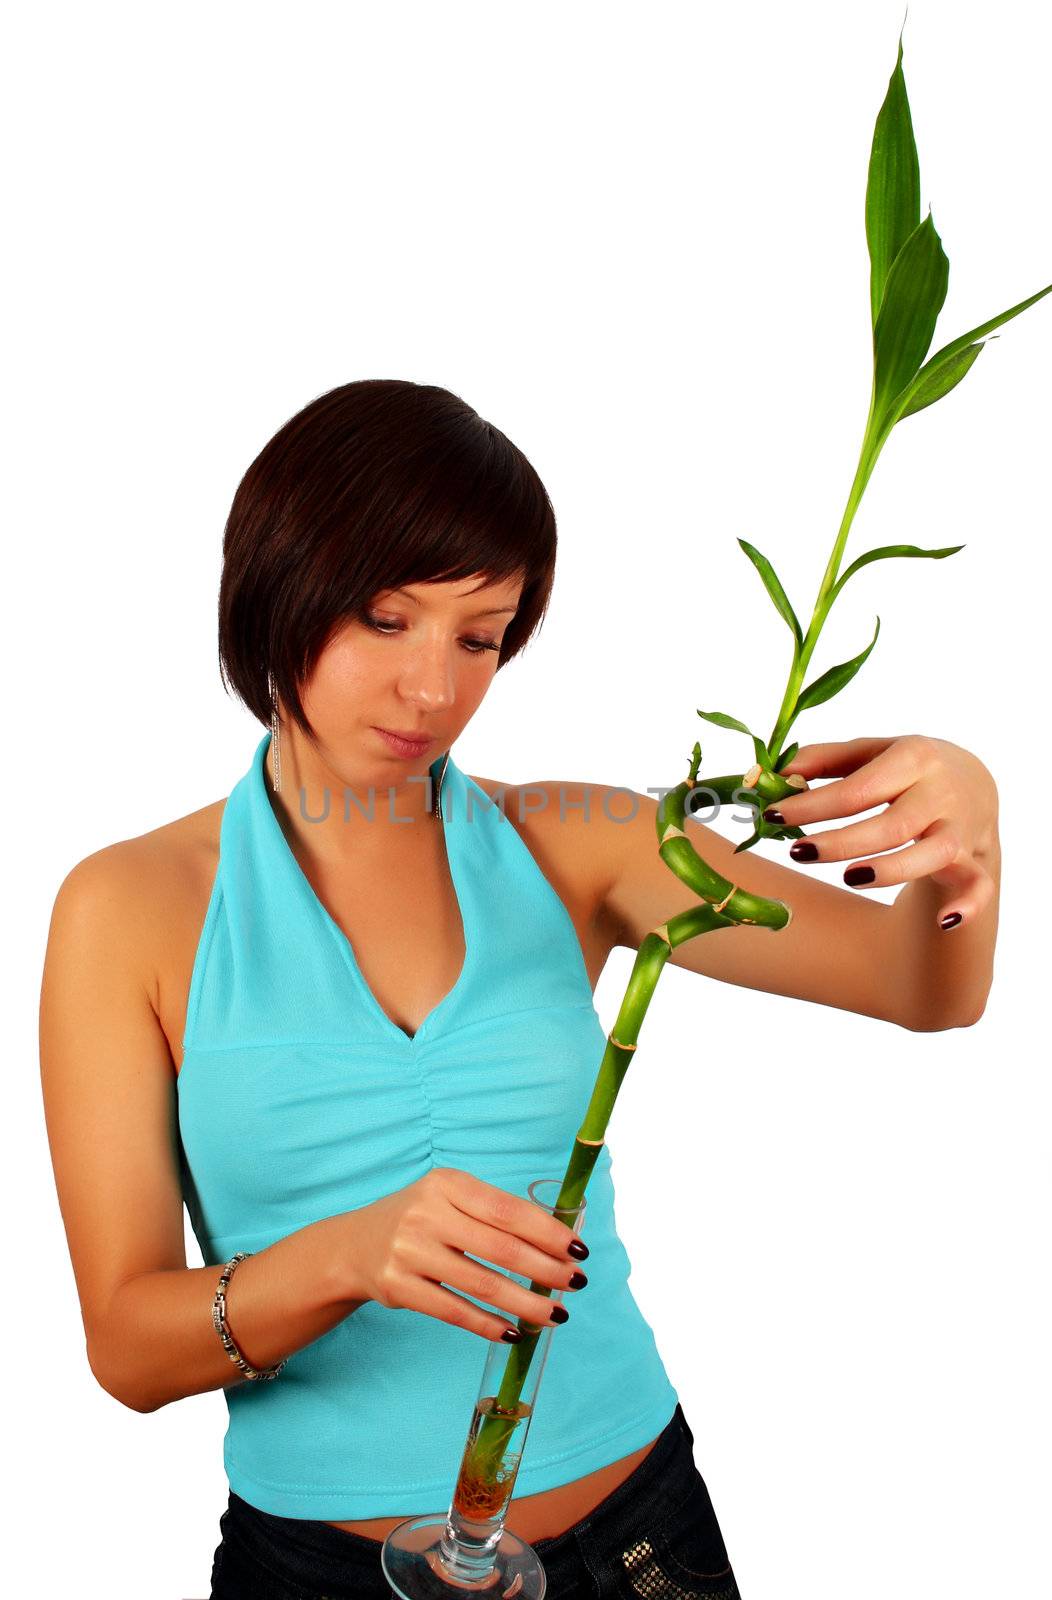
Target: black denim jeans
x: 655, y: 1537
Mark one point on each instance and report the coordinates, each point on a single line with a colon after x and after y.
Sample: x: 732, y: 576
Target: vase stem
x: 470, y: 1547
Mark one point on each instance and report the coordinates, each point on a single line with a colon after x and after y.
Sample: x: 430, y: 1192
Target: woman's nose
x: 430, y: 680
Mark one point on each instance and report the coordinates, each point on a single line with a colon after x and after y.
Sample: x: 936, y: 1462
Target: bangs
x: 375, y: 485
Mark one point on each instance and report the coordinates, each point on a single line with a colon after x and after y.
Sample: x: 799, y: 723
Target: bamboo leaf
x: 780, y: 830
x: 972, y: 334
x: 763, y: 755
x: 893, y: 187
x: 886, y: 550
x: 787, y: 755
x: 764, y: 831
x: 831, y: 682
x: 938, y: 378
x: 724, y: 721
x: 774, y: 588
x: 913, y: 297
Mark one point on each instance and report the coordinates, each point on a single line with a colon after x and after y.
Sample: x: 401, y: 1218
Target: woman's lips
x: 402, y: 746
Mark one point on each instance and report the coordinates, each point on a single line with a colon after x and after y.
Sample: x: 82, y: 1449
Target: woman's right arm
x: 110, y: 1104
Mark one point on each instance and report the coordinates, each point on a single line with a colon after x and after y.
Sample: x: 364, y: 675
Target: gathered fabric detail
x: 299, y: 1099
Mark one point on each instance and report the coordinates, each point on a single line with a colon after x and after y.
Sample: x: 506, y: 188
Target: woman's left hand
x: 938, y: 795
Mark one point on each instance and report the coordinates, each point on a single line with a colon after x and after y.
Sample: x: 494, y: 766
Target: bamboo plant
x: 909, y: 272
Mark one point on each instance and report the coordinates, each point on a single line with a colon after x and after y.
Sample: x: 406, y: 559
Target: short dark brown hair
x: 375, y: 485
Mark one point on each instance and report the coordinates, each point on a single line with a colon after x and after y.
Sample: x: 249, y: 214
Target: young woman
x: 345, y: 1015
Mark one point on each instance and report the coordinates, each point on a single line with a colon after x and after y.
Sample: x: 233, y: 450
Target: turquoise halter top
x: 299, y: 1098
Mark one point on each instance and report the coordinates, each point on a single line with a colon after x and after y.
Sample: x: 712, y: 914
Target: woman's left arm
x: 911, y: 962
x: 939, y: 832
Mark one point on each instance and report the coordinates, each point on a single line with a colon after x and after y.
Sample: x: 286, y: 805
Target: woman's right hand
x: 407, y: 1245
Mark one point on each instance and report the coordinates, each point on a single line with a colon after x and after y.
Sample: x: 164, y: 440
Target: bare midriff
x: 537, y: 1516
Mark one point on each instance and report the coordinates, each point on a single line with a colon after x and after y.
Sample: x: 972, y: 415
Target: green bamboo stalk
x: 724, y: 905
x: 909, y: 274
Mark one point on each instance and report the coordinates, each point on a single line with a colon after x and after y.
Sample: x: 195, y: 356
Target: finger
x: 496, y: 1288
x: 938, y: 851
x: 835, y: 757
x: 969, y: 899
x: 435, y: 1300
x: 517, y: 1255
x: 906, y: 818
x: 883, y: 778
x: 485, y: 1202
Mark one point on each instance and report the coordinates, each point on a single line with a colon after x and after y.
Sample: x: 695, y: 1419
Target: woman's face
x: 420, y: 662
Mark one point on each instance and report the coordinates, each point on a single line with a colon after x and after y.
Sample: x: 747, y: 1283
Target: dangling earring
x: 275, y: 735
x: 436, y: 809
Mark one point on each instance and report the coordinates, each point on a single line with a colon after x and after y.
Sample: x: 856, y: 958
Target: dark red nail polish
x: 577, y: 1280
x: 950, y: 920
x: 856, y: 875
x: 578, y: 1250
x: 803, y: 850
x: 511, y: 1336
x: 773, y: 816
x: 560, y: 1314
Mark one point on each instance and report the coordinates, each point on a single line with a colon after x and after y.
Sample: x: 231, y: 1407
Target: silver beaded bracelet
x: 221, y: 1327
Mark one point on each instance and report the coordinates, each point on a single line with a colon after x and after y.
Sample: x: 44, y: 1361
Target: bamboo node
x: 579, y: 1140
x: 662, y: 933
x: 620, y: 1046
x: 672, y: 832
x: 720, y: 905
x: 749, y: 778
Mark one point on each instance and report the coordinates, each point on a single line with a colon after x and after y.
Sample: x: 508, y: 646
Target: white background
x: 633, y: 238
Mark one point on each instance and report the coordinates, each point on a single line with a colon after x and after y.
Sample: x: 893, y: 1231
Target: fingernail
x: 578, y: 1250
x: 560, y: 1314
x: 803, y: 850
x: 577, y: 1280
x: 950, y: 920
x: 856, y: 875
x: 511, y: 1336
x: 773, y: 816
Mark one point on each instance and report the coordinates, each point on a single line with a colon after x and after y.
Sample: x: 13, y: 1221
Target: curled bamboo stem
x: 722, y: 905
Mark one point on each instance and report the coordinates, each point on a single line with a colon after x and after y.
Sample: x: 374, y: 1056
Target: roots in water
x: 486, y: 1480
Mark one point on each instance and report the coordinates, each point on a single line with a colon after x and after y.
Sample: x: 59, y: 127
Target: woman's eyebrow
x: 494, y: 611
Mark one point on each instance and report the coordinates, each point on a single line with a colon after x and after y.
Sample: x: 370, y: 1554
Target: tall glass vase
x: 468, y: 1547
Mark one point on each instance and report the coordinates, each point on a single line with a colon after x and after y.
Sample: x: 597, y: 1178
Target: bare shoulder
x: 568, y: 826
x: 106, y: 1065
x: 141, y: 895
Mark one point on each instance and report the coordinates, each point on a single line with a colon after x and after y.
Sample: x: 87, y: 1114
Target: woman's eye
x: 474, y: 647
